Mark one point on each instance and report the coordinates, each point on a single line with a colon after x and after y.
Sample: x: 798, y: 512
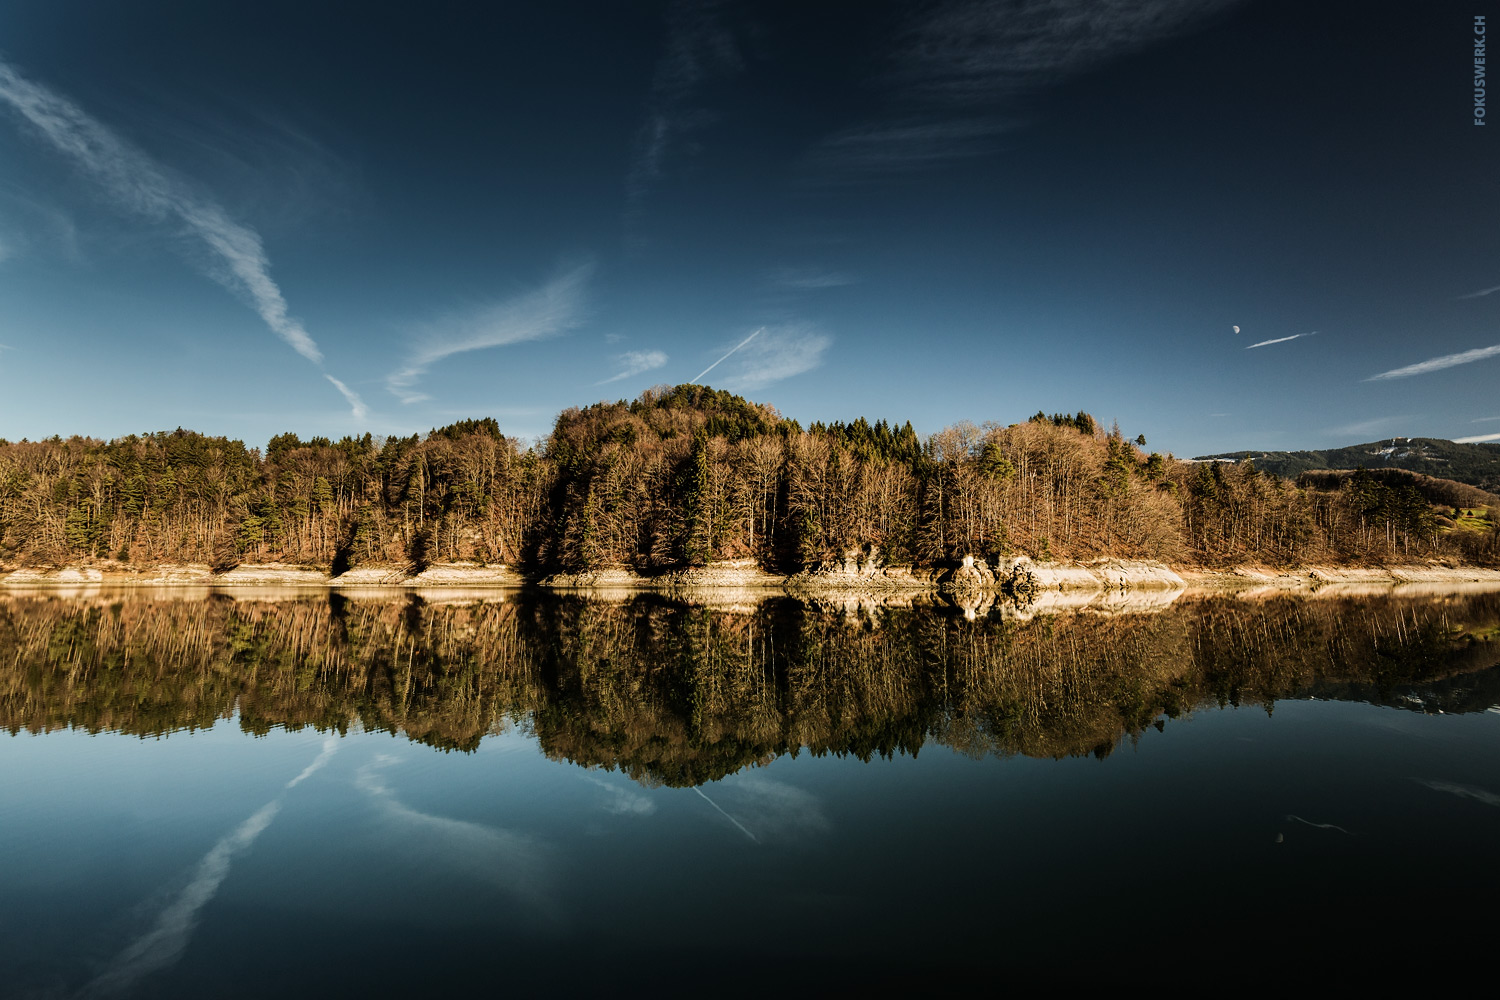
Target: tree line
x: 687, y: 475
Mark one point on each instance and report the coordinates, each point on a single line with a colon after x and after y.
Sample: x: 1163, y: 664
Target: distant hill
x: 1474, y: 464
x: 1439, y: 492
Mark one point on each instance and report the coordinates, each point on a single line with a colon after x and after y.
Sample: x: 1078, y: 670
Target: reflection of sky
x: 397, y: 866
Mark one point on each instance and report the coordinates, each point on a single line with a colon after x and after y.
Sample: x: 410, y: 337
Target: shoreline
x: 1020, y: 578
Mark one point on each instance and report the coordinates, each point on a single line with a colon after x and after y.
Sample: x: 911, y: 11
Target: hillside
x: 1438, y: 492
x: 1474, y: 464
x: 684, y: 476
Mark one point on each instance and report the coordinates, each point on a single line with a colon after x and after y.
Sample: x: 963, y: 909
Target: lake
x: 313, y: 794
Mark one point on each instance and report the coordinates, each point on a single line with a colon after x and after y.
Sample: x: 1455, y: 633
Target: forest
x: 688, y: 475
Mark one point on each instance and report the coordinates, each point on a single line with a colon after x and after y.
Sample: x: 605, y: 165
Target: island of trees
x: 688, y: 475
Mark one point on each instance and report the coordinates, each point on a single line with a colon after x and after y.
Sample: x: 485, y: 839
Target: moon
x: 1236, y: 329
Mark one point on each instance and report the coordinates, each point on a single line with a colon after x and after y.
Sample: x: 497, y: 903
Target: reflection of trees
x: 682, y: 694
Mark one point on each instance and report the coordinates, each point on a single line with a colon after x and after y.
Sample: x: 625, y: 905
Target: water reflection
x: 680, y: 694
x: 168, y: 936
x: 513, y: 863
x: 699, y: 795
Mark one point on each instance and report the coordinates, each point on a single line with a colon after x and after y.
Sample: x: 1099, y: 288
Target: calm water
x: 214, y: 795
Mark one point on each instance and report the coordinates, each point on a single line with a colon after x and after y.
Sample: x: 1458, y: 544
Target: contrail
x: 1481, y: 293
x: 716, y: 364
x: 1438, y: 364
x: 1279, y: 340
x: 356, y: 405
x: 710, y: 801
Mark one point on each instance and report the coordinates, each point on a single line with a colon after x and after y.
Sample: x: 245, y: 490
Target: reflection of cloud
x: 511, y: 862
x: 720, y: 809
x: 1462, y: 791
x: 553, y: 309
x: 330, y: 744
x: 164, y: 942
x: 774, y: 809
x: 160, y: 946
x: 622, y: 801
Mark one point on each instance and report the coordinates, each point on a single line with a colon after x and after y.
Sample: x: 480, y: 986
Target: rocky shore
x: 1022, y: 579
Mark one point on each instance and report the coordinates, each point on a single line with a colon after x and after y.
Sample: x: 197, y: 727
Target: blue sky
x: 335, y: 219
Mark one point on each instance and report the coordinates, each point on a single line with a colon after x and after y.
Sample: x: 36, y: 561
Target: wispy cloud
x: 700, y: 47
x: 553, y: 309
x: 635, y: 363
x: 963, y: 69
x: 1364, y: 428
x: 973, y: 52
x: 1280, y: 340
x: 1481, y: 293
x: 770, y: 355
x: 1477, y: 439
x: 43, y: 225
x: 907, y: 145
x: 237, y: 257
x: 811, y: 278
x: 1439, y: 363
x: 1483, y: 420
x: 7, y: 249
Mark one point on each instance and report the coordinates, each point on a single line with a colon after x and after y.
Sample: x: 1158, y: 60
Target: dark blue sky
x: 336, y: 218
